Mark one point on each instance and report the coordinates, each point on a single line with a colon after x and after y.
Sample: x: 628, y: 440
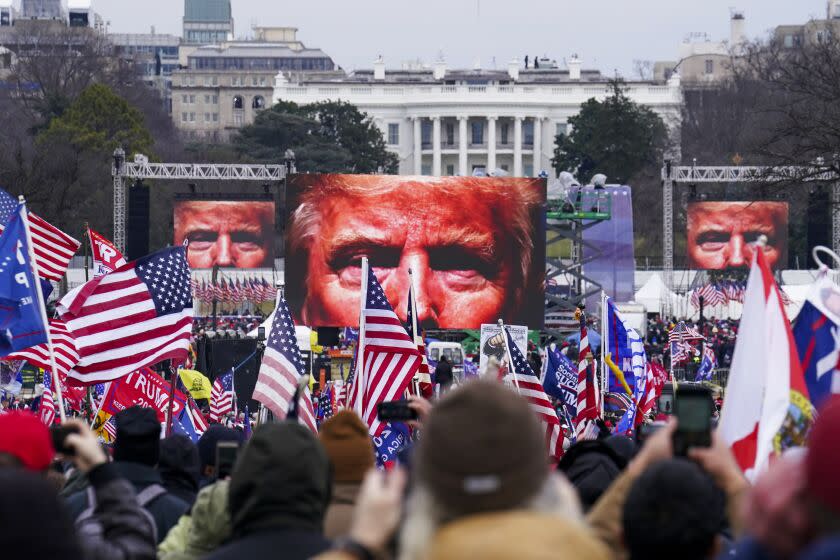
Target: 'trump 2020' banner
x: 142, y: 388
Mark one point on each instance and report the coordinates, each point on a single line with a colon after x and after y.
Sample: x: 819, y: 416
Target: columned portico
x: 491, y: 143
x: 436, y: 170
x: 517, y: 146
x: 462, y: 145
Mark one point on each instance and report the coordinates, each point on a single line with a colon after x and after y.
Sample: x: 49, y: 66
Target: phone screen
x: 694, y: 414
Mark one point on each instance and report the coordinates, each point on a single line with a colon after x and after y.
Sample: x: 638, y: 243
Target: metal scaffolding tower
x: 692, y: 174
x: 142, y: 169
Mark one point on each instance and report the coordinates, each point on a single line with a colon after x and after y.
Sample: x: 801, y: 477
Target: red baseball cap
x: 823, y: 460
x: 25, y: 437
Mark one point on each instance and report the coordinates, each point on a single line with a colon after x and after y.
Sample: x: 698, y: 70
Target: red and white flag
x: 763, y: 363
x: 424, y: 376
x: 281, y: 370
x: 389, y: 357
x: 47, y: 406
x: 64, y: 345
x: 587, y: 405
x: 106, y: 257
x: 136, y: 316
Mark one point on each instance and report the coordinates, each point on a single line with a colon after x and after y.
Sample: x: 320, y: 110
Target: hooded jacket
x: 203, y: 530
x: 279, y: 492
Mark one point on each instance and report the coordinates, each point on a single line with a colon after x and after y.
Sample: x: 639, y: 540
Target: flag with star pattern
x: 134, y: 317
x: 281, y: 370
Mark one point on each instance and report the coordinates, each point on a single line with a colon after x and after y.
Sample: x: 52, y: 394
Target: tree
x: 615, y: 136
x: 327, y: 137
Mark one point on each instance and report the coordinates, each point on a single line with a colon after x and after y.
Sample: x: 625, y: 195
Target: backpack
x: 89, y: 526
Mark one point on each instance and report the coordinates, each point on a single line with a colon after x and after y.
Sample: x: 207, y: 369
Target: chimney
x: 574, y: 65
x: 439, y: 69
x: 737, y: 36
x: 379, y: 69
x: 513, y: 69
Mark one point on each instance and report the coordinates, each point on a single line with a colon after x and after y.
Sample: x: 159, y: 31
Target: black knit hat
x: 138, y: 436
x: 482, y: 450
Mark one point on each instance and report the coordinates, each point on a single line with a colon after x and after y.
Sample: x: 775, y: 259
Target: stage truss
x: 674, y: 175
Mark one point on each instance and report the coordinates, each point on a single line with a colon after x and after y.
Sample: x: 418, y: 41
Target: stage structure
x: 675, y: 175
x: 568, y: 218
x: 141, y: 168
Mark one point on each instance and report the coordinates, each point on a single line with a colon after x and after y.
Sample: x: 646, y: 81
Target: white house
x: 456, y: 122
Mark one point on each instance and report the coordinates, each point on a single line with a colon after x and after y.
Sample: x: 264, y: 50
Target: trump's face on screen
x: 238, y: 234
x: 469, y: 243
x: 722, y: 234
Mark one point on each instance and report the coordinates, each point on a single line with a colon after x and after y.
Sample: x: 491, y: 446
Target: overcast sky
x: 608, y: 34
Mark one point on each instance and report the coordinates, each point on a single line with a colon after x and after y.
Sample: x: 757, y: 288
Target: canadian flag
x: 765, y: 365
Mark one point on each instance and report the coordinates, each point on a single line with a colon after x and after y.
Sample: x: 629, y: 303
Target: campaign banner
x: 493, y: 344
x: 106, y: 257
x: 143, y: 388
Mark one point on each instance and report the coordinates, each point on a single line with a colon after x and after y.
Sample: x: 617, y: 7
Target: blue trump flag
x: 627, y: 349
x: 21, y: 321
x: 388, y: 444
x: 561, y: 378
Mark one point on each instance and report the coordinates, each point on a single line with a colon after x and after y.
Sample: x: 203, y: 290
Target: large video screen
x: 721, y: 234
x: 475, y: 246
x: 228, y: 233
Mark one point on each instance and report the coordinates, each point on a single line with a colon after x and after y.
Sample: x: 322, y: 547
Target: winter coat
x: 127, y: 533
x: 443, y: 374
x: 279, y: 492
x: 203, y: 530
x: 166, y: 509
x: 340, y: 511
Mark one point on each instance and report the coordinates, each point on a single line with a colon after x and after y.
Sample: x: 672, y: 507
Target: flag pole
x: 509, y: 357
x: 87, y: 234
x: 604, y: 330
x: 360, y: 349
x: 42, y: 307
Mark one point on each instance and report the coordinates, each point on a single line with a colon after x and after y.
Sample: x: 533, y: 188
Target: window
x: 258, y: 102
x: 183, y: 117
x: 262, y: 80
x: 561, y: 129
x: 215, y: 99
x: 192, y: 117
x: 215, y: 117
x: 426, y: 134
x: 206, y: 81
x: 238, y: 118
x: 528, y: 132
x: 237, y: 102
x: 207, y: 98
x: 394, y: 134
x: 788, y: 41
x: 477, y: 133
x: 254, y: 80
x: 710, y: 66
x: 185, y: 99
x: 450, y: 169
x: 425, y: 169
x: 207, y: 117
x: 505, y: 133
x: 192, y: 99
x: 527, y: 169
x: 450, y: 134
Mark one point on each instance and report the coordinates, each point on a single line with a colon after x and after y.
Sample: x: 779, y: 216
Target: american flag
x: 221, y: 396
x: 53, y: 248
x: 649, y: 397
x: 281, y: 370
x: 136, y: 316
x: 326, y: 404
x: 680, y: 339
x: 47, y: 409
x: 389, y: 356
x: 64, y: 347
x: 587, y: 407
x: 529, y: 386
x: 423, y: 374
x: 110, y: 428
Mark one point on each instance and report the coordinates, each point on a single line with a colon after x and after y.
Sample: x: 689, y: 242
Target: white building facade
x: 466, y: 122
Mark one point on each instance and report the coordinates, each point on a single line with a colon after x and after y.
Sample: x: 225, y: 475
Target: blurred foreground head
x: 483, y: 451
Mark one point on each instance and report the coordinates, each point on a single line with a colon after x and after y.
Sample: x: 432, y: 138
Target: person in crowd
x: 350, y: 450
x: 33, y: 519
x: 136, y: 454
x: 180, y: 467
x: 279, y: 492
x: 443, y: 374
x: 205, y: 528
x: 489, y: 495
x: 207, y: 444
x: 673, y: 521
x: 592, y: 465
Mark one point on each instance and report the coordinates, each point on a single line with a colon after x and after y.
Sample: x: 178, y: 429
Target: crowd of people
x: 473, y: 482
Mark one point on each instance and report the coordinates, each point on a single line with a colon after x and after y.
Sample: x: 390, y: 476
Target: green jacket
x: 201, y: 532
